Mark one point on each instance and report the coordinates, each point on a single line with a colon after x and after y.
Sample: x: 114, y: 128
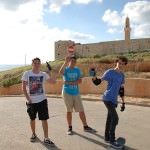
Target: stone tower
x: 127, y: 29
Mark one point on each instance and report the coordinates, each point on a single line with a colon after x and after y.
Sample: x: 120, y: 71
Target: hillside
x: 138, y: 67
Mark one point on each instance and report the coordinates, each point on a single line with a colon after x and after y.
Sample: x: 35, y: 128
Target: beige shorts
x: 73, y: 102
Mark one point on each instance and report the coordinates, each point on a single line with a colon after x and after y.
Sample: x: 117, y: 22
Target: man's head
x: 122, y: 59
x: 73, y: 60
x: 36, y: 62
x: 121, y: 62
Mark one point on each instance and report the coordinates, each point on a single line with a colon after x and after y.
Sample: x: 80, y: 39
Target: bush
x: 11, y: 81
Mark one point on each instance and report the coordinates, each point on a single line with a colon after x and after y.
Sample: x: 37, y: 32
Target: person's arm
x: 52, y: 77
x: 64, y: 65
x: 121, y: 93
x: 24, y: 84
x: 78, y: 81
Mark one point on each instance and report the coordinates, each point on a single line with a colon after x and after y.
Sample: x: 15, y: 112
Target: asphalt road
x: 134, y: 125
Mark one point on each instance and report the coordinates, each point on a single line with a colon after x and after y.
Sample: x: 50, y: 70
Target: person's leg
x: 78, y: 106
x: 68, y: 100
x: 107, y: 127
x: 46, y: 138
x: 31, y: 109
x: 112, y: 121
x: 69, y: 118
x: 45, y: 128
x: 32, y: 125
x: 44, y: 116
x: 83, y: 118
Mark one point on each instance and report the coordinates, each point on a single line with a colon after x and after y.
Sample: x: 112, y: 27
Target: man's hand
x: 122, y: 107
x: 92, y: 72
x: 29, y: 102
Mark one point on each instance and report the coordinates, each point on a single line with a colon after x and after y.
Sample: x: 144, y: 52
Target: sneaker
x: 33, y: 137
x: 47, y: 141
x: 70, y: 132
x: 115, y: 144
x: 88, y: 129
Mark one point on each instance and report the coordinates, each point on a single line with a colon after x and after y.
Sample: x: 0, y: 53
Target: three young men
x: 33, y: 88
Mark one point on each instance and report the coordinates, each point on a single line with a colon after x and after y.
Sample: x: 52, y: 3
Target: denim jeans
x: 111, y: 122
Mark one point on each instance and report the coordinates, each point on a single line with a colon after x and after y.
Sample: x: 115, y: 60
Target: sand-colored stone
x: 133, y: 87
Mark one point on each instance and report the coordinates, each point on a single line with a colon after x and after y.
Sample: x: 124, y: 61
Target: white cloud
x: 113, y: 30
x: 142, y: 31
x: 23, y: 31
x: 83, y: 1
x: 112, y: 18
x: 56, y: 5
x: 138, y: 11
x: 139, y: 14
x: 12, y: 4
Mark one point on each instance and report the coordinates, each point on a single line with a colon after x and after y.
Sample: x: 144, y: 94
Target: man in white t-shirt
x: 33, y: 88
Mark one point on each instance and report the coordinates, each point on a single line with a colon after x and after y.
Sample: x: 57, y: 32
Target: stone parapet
x: 133, y: 87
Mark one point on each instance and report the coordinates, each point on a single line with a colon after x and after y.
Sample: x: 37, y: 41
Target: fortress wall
x: 102, y: 48
x: 133, y: 87
x: 138, y: 45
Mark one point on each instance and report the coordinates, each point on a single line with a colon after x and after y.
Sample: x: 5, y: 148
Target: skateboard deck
x: 121, y: 141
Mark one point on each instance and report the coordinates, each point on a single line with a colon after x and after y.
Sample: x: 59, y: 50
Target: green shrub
x: 11, y: 81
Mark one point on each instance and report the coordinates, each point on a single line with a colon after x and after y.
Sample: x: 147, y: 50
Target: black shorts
x: 41, y: 108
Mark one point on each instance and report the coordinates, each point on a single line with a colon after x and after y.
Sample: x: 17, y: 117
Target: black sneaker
x: 88, y: 129
x: 115, y: 144
x: 33, y: 137
x: 69, y: 132
x: 47, y: 141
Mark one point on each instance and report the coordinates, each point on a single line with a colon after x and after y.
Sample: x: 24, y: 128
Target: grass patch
x: 139, y: 62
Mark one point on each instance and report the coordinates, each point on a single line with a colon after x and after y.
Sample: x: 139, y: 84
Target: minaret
x: 127, y: 29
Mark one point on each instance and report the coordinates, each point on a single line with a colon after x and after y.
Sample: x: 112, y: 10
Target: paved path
x: 134, y: 125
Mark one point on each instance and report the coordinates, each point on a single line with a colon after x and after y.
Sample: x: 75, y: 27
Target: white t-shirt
x: 35, y: 86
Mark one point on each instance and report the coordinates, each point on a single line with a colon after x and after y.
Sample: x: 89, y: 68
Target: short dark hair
x: 123, y: 59
x: 73, y: 56
x: 36, y: 58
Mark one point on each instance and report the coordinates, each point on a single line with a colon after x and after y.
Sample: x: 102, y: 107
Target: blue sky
x: 30, y: 27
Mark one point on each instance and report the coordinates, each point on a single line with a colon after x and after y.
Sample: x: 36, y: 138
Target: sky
x: 29, y: 28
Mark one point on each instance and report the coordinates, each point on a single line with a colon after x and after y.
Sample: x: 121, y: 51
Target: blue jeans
x: 111, y: 122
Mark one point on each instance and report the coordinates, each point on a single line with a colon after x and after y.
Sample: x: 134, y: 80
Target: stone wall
x: 133, y: 87
x: 102, y: 48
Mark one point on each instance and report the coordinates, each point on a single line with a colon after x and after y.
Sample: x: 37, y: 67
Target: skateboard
x: 121, y: 141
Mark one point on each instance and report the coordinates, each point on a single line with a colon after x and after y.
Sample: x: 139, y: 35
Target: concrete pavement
x: 134, y: 125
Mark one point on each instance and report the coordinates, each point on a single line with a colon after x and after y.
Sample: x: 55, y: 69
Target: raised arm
x: 64, y: 65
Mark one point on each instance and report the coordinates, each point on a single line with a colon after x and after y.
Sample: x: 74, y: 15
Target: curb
x: 86, y: 99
